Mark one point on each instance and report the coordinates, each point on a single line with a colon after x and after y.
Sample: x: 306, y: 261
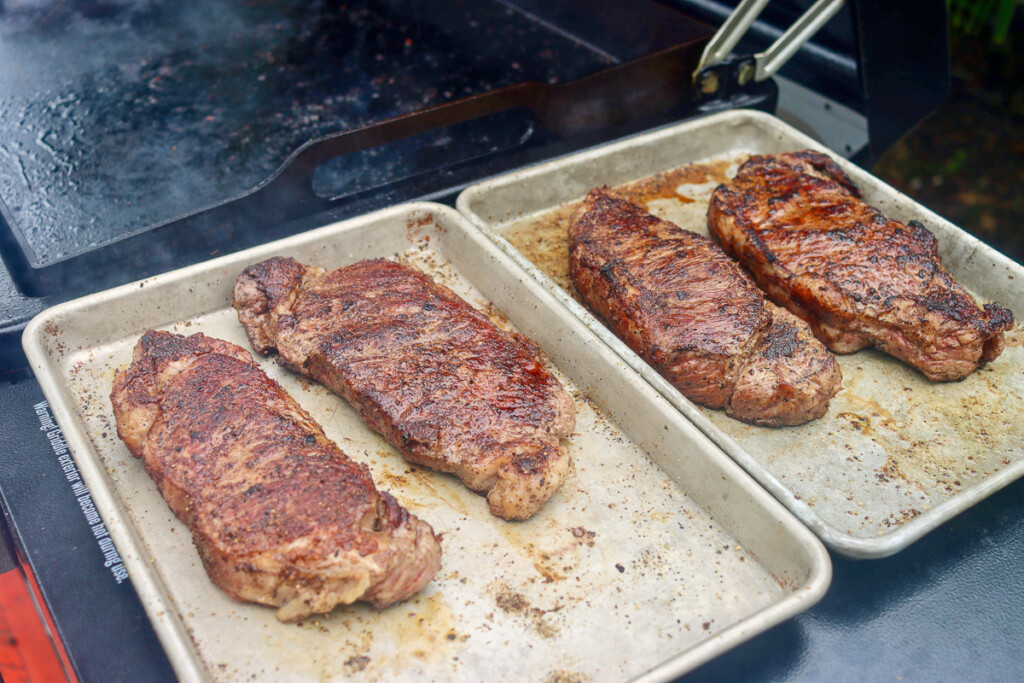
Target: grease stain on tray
x: 420, y: 633
x: 567, y: 677
x: 679, y: 195
x: 425, y: 629
x: 513, y: 603
x: 894, y: 442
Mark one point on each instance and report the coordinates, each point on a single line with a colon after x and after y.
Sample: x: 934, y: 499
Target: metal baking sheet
x: 657, y: 554
x: 896, y: 455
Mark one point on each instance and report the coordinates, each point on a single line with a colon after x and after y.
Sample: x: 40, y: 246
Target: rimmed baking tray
x: 657, y: 554
x: 896, y: 455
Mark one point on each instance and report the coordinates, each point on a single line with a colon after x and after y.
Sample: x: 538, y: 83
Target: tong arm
x: 725, y: 39
x: 764, y: 64
x: 772, y: 59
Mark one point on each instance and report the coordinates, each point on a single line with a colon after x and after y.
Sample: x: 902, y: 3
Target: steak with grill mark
x: 687, y: 309
x: 443, y: 384
x: 859, y: 278
x: 279, y: 514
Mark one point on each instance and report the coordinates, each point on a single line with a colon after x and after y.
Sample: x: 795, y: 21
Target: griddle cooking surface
x: 124, y: 115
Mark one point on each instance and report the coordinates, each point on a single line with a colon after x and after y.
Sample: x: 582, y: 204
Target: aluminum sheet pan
x: 657, y: 554
x: 896, y: 455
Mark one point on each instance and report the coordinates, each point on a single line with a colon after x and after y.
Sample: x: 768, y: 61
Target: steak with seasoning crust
x: 279, y: 514
x: 689, y: 310
x: 857, y: 277
x: 443, y: 384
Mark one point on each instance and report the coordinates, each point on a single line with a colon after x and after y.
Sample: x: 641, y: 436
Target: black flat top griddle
x: 147, y: 136
x: 128, y: 116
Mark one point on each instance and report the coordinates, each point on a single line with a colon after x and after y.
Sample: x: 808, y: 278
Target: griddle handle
x: 291, y: 187
x: 652, y: 84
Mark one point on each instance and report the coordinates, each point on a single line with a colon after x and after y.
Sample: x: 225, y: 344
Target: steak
x: 279, y: 514
x: 857, y: 277
x: 687, y: 309
x: 441, y: 383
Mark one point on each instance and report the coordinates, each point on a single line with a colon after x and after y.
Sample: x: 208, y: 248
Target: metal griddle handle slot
x: 716, y: 72
x: 292, y: 184
x: 645, y: 86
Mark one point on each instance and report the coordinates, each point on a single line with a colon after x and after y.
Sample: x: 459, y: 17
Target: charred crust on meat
x: 273, y: 516
x: 999, y: 318
x: 794, y: 216
x: 781, y: 341
x: 275, y: 278
x: 686, y: 308
x: 430, y: 373
x: 826, y: 165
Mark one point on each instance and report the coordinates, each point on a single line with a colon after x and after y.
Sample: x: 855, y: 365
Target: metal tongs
x: 718, y: 75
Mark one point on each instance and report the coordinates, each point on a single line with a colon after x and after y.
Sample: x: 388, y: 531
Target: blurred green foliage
x: 972, y: 17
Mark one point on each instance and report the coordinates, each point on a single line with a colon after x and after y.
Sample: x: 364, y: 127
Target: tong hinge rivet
x: 746, y: 73
x: 709, y: 83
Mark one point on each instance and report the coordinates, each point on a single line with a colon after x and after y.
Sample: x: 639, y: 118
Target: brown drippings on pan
x: 356, y: 663
x: 902, y: 517
x: 859, y: 422
x: 665, y: 185
x: 553, y: 562
x: 544, y: 239
x: 919, y: 454
x: 584, y: 535
x: 567, y: 677
x: 1015, y: 337
x: 419, y: 483
x: 550, y: 573
x: 422, y: 227
x: 52, y: 329
x: 425, y: 630
x: 391, y: 481
x: 514, y: 603
x: 496, y: 316
x: 561, y: 561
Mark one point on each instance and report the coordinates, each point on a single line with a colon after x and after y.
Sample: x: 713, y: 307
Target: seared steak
x: 279, y: 514
x: 858, y: 278
x: 689, y: 310
x: 433, y: 375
